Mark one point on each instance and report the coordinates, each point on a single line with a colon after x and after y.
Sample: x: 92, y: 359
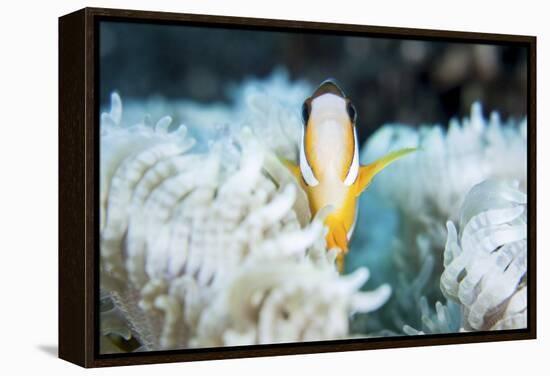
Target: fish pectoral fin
x: 293, y: 168
x: 367, y: 173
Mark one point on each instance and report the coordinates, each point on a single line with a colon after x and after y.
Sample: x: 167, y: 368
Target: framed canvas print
x: 236, y: 187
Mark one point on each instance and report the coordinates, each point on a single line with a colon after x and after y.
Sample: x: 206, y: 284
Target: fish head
x: 329, y: 147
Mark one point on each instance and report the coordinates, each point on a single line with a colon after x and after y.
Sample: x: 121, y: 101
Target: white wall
x: 28, y: 200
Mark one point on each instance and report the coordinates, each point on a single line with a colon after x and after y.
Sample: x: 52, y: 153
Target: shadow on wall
x: 50, y: 350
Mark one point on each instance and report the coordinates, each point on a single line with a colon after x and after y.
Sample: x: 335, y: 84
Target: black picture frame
x: 79, y: 188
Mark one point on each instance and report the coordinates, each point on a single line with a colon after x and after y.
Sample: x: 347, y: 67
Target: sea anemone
x: 463, y: 155
x: 213, y: 247
x: 486, y: 261
x: 403, y: 214
x: 207, y: 240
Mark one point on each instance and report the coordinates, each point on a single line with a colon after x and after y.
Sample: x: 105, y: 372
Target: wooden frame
x: 78, y: 191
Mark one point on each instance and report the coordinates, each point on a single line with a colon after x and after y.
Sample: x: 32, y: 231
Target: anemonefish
x: 328, y: 168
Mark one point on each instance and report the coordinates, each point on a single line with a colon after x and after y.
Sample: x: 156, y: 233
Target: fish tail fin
x: 337, y: 237
x: 367, y: 173
x: 340, y: 264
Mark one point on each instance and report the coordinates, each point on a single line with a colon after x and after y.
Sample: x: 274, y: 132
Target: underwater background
x: 205, y: 240
x: 390, y: 80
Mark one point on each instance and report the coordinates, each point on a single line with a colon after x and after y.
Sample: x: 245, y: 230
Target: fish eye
x: 305, y: 113
x: 352, y: 113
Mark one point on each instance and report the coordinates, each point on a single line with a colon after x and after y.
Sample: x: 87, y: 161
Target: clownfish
x: 328, y: 168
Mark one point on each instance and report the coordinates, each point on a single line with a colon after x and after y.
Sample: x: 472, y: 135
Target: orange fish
x: 328, y: 169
